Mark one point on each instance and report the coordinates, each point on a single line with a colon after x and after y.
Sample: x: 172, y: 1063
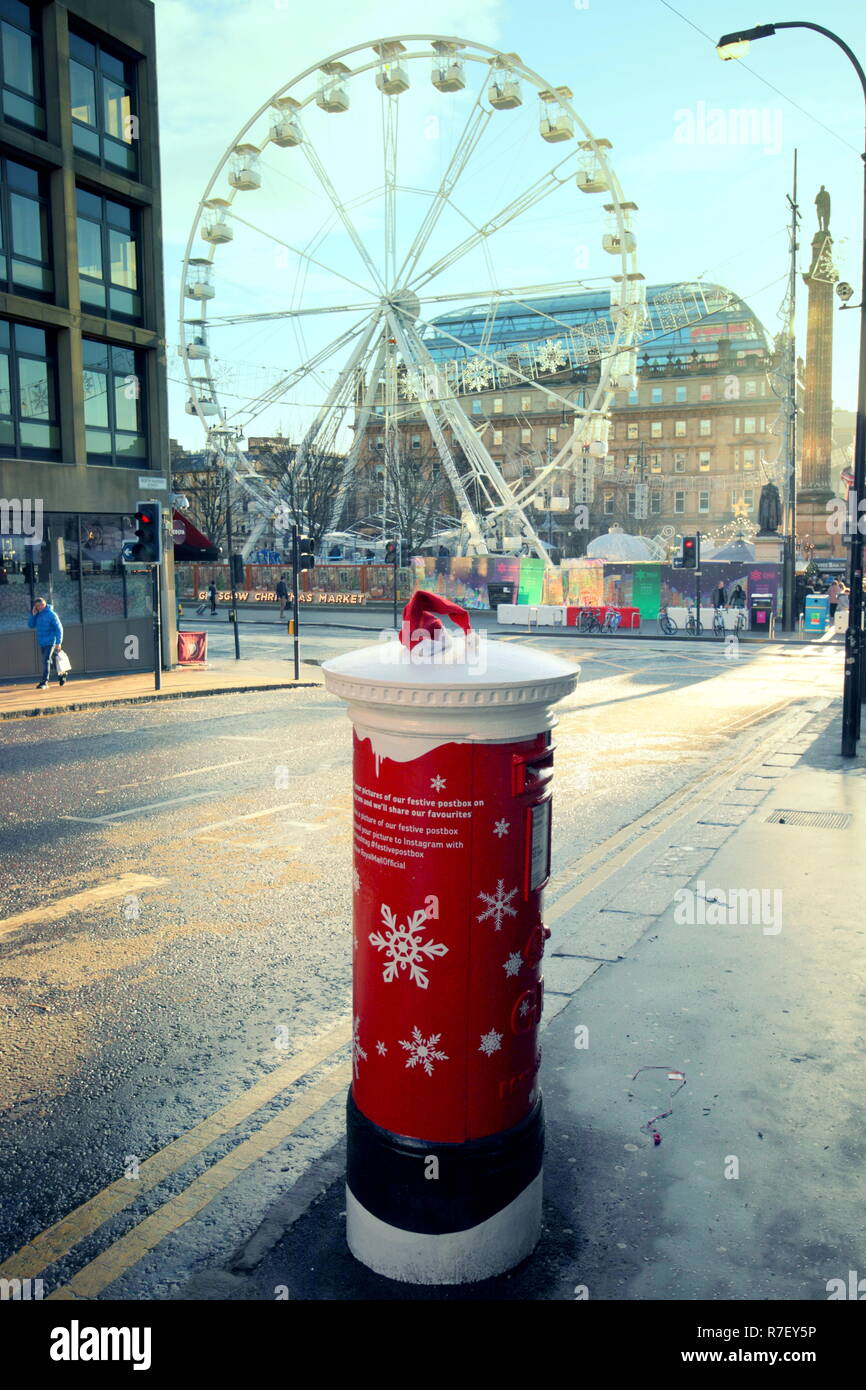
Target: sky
x: 711, y: 189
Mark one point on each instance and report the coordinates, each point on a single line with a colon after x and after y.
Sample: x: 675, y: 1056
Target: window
x: 704, y: 460
x: 657, y: 396
x: 680, y: 427
x: 113, y: 378
x: 19, y: 59
x: 632, y: 397
x: 656, y: 429
x: 630, y: 502
x: 608, y: 504
x: 631, y: 461
x: 749, y: 498
x: 705, y: 428
x: 655, y: 503
x: 655, y: 463
x: 28, y: 392
x: 703, y: 501
x: 679, y: 463
x: 416, y: 441
x: 680, y: 393
x: 679, y: 501
x: 107, y: 256
x: 750, y: 388
x: 497, y: 405
x: 25, y: 254
x: 526, y: 436
x: 497, y: 437
x: 525, y: 402
x: 631, y: 431
x: 102, y: 92
x: 706, y: 392
x: 749, y: 459
x: 748, y: 424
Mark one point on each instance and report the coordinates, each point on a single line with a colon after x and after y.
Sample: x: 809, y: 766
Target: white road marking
x: 170, y: 776
x: 136, y: 810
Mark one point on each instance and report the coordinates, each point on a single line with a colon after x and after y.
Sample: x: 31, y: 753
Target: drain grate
x: 820, y: 820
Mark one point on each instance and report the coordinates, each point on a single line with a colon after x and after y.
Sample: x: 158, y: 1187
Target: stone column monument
x: 815, y: 487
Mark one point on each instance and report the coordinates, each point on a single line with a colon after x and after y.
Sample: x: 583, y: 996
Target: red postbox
x: 452, y: 794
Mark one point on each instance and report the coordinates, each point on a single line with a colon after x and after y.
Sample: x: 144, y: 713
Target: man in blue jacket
x: 49, y: 635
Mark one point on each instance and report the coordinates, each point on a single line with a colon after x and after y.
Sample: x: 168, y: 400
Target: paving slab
x: 605, y: 935
x: 650, y: 893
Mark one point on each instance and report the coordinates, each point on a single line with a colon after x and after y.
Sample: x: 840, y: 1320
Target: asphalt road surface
x: 175, y: 912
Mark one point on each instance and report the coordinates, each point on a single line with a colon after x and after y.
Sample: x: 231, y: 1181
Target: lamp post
x: 736, y: 45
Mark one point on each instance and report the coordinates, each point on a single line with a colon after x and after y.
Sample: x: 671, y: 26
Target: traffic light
x: 390, y: 552
x: 147, y: 550
x: 306, y: 556
x: 404, y: 553
x: 237, y: 571
x: 690, y: 552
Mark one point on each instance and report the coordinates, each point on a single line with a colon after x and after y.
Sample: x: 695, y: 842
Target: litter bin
x: 453, y: 766
x: 500, y: 593
x: 761, y: 614
x: 817, y: 612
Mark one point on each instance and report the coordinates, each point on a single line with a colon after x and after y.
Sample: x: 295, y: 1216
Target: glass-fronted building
x: 83, y: 412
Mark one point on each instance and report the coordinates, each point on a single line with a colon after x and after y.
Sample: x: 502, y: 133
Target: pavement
x: 222, y: 675
x: 752, y: 1191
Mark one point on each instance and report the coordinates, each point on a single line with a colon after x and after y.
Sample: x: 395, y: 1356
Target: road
x: 175, y: 932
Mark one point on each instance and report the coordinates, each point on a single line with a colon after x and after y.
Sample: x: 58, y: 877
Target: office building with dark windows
x: 83, y: 411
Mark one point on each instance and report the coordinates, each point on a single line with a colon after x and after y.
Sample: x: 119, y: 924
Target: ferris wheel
x: 335, y: 271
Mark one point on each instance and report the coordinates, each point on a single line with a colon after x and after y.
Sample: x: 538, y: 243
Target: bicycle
x: 612, y: 620
x: 666, y: 623
x: 740, y: 621
x: 718, y: 623
x: 589, y: 621
x: 694, y: 626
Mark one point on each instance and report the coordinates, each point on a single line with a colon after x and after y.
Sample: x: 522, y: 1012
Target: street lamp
x: 736, y: 45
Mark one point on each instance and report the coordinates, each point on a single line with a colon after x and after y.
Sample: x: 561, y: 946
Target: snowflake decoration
x: 381, y: 1049
x: 358, y: 1053
x: 437, y: 784
x: 524, y: 1008
x: 476, y: 374
x: 356, y: 879
x: 501, y: 828
x: 498, y: 905
x: 490, y: 1042
x: 407, y: 386
x: 550, y: 356
x: 404, y: 948
x: 512, y: 964
x: 423, y: 1051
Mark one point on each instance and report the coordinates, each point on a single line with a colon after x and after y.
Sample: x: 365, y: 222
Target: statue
x: 822, y: 204
x: 769, y: 509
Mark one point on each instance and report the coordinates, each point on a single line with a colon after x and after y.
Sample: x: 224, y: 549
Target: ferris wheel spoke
x: 508, y: 370
x: 302, y: 255
x: 272, y: 394
x: 230, y: 320
x: 342, y: 212
x: 346, y: 378
x: 557, y: 287
x: 475, y: 126
x: 360, y: 429
x: 536, y: 193
x: 390, y: 109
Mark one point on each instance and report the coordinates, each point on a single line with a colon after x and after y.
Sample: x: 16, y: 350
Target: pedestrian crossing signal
x: 306, y: 553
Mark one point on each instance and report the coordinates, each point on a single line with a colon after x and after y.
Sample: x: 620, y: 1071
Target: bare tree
x: 209, y: 489
x: 307, y: 484
x: 417, y: 493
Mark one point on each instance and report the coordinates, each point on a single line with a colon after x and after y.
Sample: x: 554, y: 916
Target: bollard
x: 453, y: 764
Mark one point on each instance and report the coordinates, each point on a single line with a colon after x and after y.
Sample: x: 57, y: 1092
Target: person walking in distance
x: 212, y: 593
x: 720, y: 598
x: 282, y: 595
x: 49, y: 635
x: 833, y: 596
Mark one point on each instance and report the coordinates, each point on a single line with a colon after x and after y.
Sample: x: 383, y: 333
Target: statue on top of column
x: 822, y: 205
